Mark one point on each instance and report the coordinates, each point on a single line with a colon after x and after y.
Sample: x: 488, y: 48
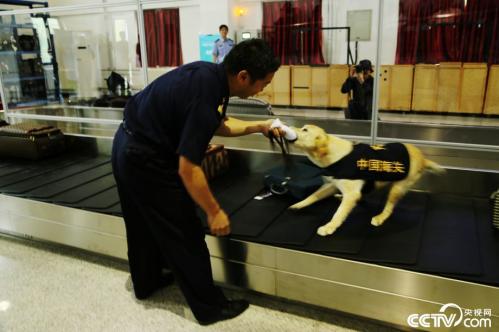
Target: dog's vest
x: 388, y: 162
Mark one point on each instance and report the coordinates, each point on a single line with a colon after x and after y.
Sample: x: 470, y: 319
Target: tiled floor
x: 45, y: 287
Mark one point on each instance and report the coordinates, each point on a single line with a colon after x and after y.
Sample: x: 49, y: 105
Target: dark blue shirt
x: 179, y: 112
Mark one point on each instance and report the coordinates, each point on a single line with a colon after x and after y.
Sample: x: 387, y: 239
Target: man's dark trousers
x: 162, y: 227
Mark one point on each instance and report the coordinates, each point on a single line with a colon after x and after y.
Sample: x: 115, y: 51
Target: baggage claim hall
x: 168, y: 165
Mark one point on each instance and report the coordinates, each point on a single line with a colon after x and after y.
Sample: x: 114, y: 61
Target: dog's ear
x: 321, y: 146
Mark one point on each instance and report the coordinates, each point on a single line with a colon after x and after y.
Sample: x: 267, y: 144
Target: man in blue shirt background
x: 223, y: 45
x: 157, y: 153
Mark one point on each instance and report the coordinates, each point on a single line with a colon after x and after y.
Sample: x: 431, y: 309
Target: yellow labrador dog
x: 350, y: 168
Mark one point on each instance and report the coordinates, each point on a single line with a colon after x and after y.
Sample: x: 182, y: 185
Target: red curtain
x: 480, y: 37
x: 433, y: 31
x: 293, y: 29
x: 162, y: 29
x: 440, y: 33
x: 408, y: 31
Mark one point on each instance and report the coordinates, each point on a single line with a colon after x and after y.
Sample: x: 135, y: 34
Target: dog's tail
x: 433, y: 167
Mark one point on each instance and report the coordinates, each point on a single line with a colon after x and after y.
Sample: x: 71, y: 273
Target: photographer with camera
x: 360, y: 83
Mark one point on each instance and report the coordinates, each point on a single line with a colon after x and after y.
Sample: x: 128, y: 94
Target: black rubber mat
x: 233, y: 191
x: 240, y: 192
x: 252, y: 219
x: 398, y: 240
x: 225, y: 181
x: 8, y: 163
x: 31, y: 171
x: 38, y: 178
x: 4, y: 162
x: 9, y: 182
x: 59, y: 187
x: 80, y: 193
x: 296, y: 227
x: 450, y: 242
x: 102, y: 200
x: 11, y: 169
x: 113, y: 210
x: 350, y: 236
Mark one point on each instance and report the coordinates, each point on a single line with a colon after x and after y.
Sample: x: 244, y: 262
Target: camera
x: 359, y: 68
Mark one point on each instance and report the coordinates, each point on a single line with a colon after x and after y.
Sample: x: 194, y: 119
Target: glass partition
x: 438, y: 72
x: 72, y: 58
x: 164, y: 30
x: 433, y: 77
x: 318, y: 48
x: 55, y: 3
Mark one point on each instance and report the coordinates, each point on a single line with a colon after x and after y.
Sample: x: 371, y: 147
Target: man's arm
x: 347, y: 85
x: 234, y: 127
x: 196, y: 184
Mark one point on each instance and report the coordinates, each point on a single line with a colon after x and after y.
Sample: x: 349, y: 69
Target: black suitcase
x: 31, y: 141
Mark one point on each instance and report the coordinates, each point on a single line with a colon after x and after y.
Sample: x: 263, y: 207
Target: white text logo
x: 451, y: 315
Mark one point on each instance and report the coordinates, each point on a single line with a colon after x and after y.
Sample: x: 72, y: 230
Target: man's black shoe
x: 232, y: 309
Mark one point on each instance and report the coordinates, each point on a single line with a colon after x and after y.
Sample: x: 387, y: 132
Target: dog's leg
x: 351, y: 190
x: 326, y: 190
x: 398, y: 190
x: 347, y: 204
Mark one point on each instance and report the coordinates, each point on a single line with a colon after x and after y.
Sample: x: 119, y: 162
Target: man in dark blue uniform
x: 157, y: 153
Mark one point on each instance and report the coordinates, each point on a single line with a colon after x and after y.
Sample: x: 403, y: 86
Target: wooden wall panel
x: 401, y: 78
x: 424, y: 92
x: 474, y: 76
x: 337, y: 76
x: 267, y: 94
x: 449, y: 84
x: 492, y: 96
x: 320, y: 86
x: 301, y: 86
x: 281, y: 86
x: 384, y: 86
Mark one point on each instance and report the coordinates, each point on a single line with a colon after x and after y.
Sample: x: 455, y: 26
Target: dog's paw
x: 377, y: 221
x: 325, y: 230
x: 297, y: 206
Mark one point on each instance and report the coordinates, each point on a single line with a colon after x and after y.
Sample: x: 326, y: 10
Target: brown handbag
x: 495, y: 209
x: 216, y: 161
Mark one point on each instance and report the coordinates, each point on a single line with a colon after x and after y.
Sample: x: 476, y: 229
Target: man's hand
x: 352, y: 71
x: 360, y: 77
x: 219, y: 223
x: 266, y: 130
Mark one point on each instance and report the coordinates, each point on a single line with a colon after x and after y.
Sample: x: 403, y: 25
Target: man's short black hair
x: 223, y: 26
x: 253, y: 55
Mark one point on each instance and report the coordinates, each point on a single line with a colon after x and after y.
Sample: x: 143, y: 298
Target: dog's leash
x: 281, y: 142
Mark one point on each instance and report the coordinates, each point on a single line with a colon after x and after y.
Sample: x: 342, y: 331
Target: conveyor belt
x: 439, y: 234
x: 56, y: 191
